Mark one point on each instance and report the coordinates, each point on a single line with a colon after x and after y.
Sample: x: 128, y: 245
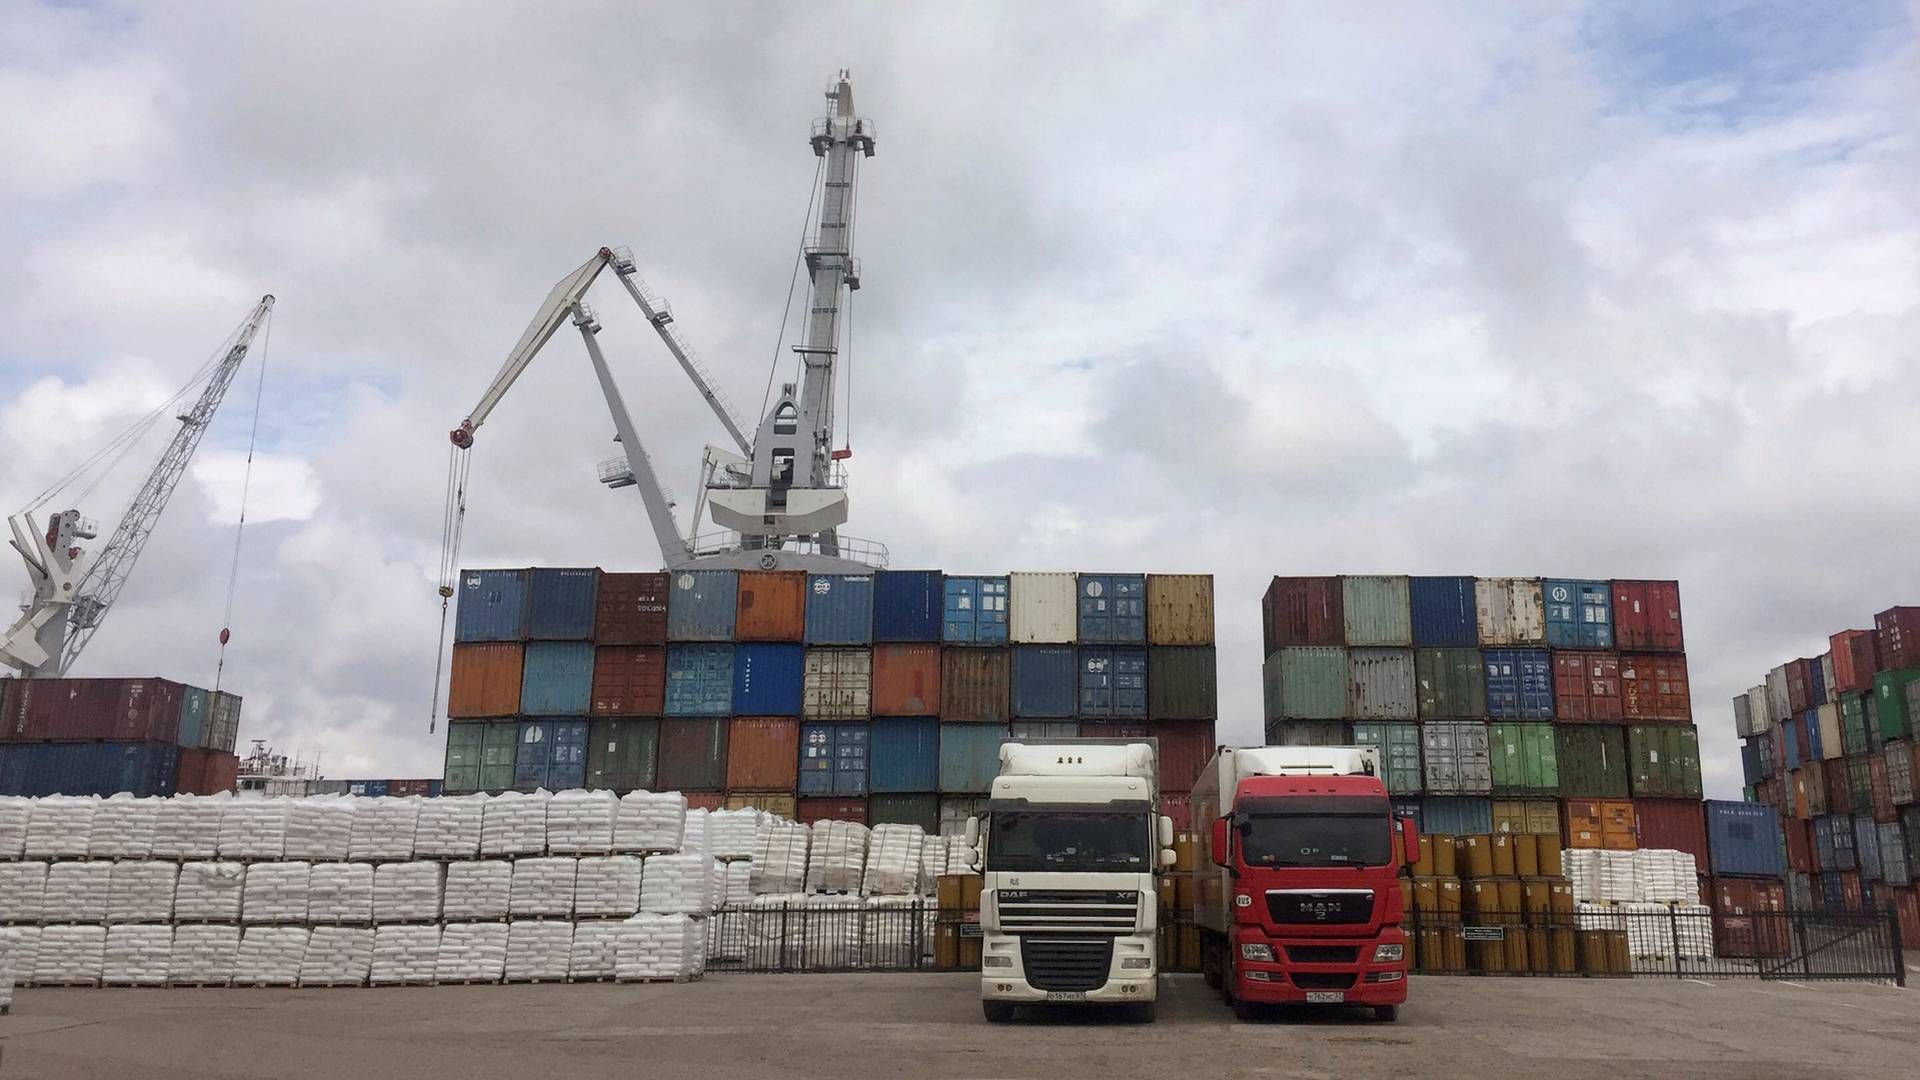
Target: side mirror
x: 1409, y: 841
x: 1166, y: 831
x: 972, y: 834
x: 1168, y: 857
x: 1217, y: 846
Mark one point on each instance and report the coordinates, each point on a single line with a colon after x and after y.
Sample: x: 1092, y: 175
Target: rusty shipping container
x: 1655, y: 688
x: 763, y: 754
x: 976, y: 685
x: 809, y: 811
x: 906, y: 680
x: 692, y: 755
x: 484, y: 680
x: 1382, y: 683
x: 1185, y: 746
x: 1898, y: 630
x: 1179, y: 609
x: 1509, y: 611
x: 76, y: 710
x: 629, y: 680
x: 631, y: 609
x: 772, y: 606
x: 1646, y: 616
x: 206, y: 772
x: 838, y: 684
x: 1586, y: 687
x: 1302, y: 611
x: 1856, y: 656
x: 1673, y: 825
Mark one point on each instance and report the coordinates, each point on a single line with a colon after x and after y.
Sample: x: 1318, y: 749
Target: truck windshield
x: 1271, y: 839
x: 1032, y: 840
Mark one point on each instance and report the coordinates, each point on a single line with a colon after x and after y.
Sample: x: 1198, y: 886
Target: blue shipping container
x: 1744, y: 840
x: 907, y: 605
x: 1519, y: 684
x: 1456, y: 817
x: 1408, y: 806
x: 560, y: 604
x: 1866, y: 846
x: 699, y: 680
x: 1579, y: 613
x: 1046, y: 680
x: 532, y: 755
x: 90, y: 768
x: 833, y: 759
x: 1443, y: 611
x: 367, y: 789
x: 701, y: 605
x: 839, y: 609
x: 1113, y: 608
x: 903, y: 755
x: 1810, y: 721
x: 969, y: 757
x: 193, y: 715
x: 975, y: 611
x: 1113, y: 682
x: 1790, y: 742
x: 1750, y: 767
x: 1816, y: 681
x: 1833, y: 896
x: 767, y: 679
x: 567, y: 759
x: 556, y: 678
x: 435, y: 788
x: 492, y: 606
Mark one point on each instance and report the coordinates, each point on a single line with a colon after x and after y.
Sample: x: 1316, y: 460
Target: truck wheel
x: 997, y: 1012
x: 1142, y: 1013
x: 1211, y: 974
x: 1386, y: 1013
x: 1245, y: 1011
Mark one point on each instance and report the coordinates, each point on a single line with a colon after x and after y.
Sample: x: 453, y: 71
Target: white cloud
x: 281, y: 488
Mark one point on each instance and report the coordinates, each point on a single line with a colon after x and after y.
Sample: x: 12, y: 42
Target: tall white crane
x: 72, y: 595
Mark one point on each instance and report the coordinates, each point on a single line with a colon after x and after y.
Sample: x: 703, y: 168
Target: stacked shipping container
x: 880, y: 697
x: 104, y: 736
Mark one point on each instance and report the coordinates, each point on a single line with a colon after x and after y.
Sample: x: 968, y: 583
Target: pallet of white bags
x: 660, y: 979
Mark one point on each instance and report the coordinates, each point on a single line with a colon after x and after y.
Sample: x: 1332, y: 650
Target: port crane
x: 72, y: 594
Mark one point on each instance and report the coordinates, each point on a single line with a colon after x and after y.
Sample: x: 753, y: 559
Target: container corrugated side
x: 1302, y: 611
x: 809, y: 811
x: 969, y: 757
x: 1309, y: 733
x: 223, y: 721
x: 1654, y: 687
x: 768, y: 678
x: 1450, y: 684
x: 1375, y: 610
x: 833, y: 759
x: 1184, y: 748
x: 1592, y: 762
x: 1455, y: 757
x: 702, y: 605
x: 484, y: 679
x: 88, y: 768
x: 1743, y: 839
x: 1044, y: 729
x: 629, y: 680
x: 1519, y: 684
x: 622, y: 754
x: 1180, y: 609
x: 1399, y: 745
x: 631, y: 609
x: 1112, y: 609
x: 1892, y: 701
x: 1307, y: 682
x: 699, y: 680
x: 905, y: 809
x: 1540, y: 817
x: 838, y: 684
x: 1524, y: 758
x: 771, y: 605
x: 1673, y: 825
x: 123, y: 710
x: 1646, y: 616
x: 1456, y: 816
x: 1898, y: 630
x: 492, y: 606
x: 1441, y: 611
x: 1181, y: 683
x: 1113, y: 682
x: 562, y: 603
x: 763, y: 754
x: 1042, y: 608
x: 1045, y: 681
x: 839, y: 609
x: 907, y: 605
x: 1579, y: 614
x: 1586, y: 687
x: 906, y: 680
x: 557, y: 678
x: 903, y: 755
x: 1509, y: 611
x: 974, y: 611
x: 1664, y: 761
x: 976, y: 685
x: 692, y: 754
x: 1382, y: 683
x: 1856, y: 656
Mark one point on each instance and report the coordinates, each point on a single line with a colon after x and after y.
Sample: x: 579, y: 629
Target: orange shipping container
x: 763, y: 754
x: 773, y: 606
x: 808, y: 811
x: 1601, y: 823
x: 629, y: 680
x: 975, y: 685
x: 906, y: 680
x: 705, y: 800
x: 484, y: 680
x: 1180, y: 609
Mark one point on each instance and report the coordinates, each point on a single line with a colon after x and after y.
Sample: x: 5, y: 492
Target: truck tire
x: 1246, y: 1011
x: 997, y: 1012
x: 1142, y: 1013
x: 1386, y: 1013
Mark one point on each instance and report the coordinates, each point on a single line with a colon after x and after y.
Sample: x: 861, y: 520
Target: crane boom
x: 554, y: 313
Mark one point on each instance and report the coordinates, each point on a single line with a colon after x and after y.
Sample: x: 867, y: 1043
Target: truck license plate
x: 1066, y: 995
x: 1325, y: 997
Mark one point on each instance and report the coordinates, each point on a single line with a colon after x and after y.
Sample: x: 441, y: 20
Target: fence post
x: 1673, y: 921
x: 1800, y: 942
x: 1899, y: 948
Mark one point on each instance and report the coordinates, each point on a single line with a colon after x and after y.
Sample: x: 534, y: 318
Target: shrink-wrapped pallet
x: 676, y: 884
x: 515, y: 823
x: 1693, y: 931
x: 203, y: 955
x: 340, y: 893
x: 78, y: 891
x: 209, y: 891
x: 270, y: 956
x: 779, y: 858
x: 22, y: 954
x: 10, y: 940
x: 732, y: 834
x: 124, y: 827
x: 188, y: 826
x: 1662, y: 876
x: 449, y: 826
x: 595, y: 949
x: 405, y: 954
x: 255, y: 829
x: 276, y: 893
x: 933, y: 863
x: 141, y: 892
x: 543, y: 886
x: 1649, y: 935
x: 897, y: 930
x: 14, y: 811
x: 732, y: 883
x: 656, y: 946
x: 581, y: 822
x: 837, y: 856
x: 538, y: 950
x: 650, y: 821
x: 60, y: 826
x: 406, y: 892
x: 1600, y: 877
x: 472, y: 952
x: 23, y: 890
x: 384, y: 828
x: 70, y: 955
x: 959, y: 855
x: 835, y: 926
x: 136, y: 955
x: 320, y: 827
x: 607, y: 885
x: 773, y: 927
x: 337, y: 955
x: 693, y: 838
x: 893, y: 860
x: 478, y: 890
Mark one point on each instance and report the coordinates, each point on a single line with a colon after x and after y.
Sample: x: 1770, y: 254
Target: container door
x: 850, y: 759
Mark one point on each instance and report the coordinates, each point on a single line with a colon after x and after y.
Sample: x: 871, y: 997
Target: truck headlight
x: 996, y: 961
x: 1389, y: 954
x: 1136, y: 961
x: 1257, y: 952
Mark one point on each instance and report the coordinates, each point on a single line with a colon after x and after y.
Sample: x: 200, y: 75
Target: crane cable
x: 793, y: 279
x: 453, y: 520
x: 246, y: 483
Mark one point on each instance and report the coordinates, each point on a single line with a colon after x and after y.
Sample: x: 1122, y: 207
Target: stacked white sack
x: 124, y: 827
x: 406, y: 892
x: 141, y: 892
x: 1693, y: 931
x: 837, y: 856
x: 276, y: 893
x: 471, y: 952
x: 650, y: 821
x: 337, y: 955
x: 9, y: 965
x: 209, y: 890
x: 676, y: 884
x: 60, y: 826
x: 732, y: 883
x: 188, y: 826
x: 70, y: 955
x: 595, y: 948
x: 660, y: 947
x: 959, y: 855
x: 270, y: 956
x: 895, y: 927
x: 543, y: 886
x: 933, y: 863
x: 727, y: 934
x: 775, y: 928
x: 478, y: 890
x: 779, y: 857
x: 204, y: 955
x: 1649, y: 934
x: 449, y: 827
x: 1662, y: 876
x: 835, y: 930
x: 732, y: 834
x: 319, y: 827
x: 340, y: 893
x: 515, y: 823
x: 14, y: 810
x: 1598, y: 917
x: 136, y: 955
x: 25, y: 951
x: 893, y: 860
x: 693, y: 839
x: 78, y: 891
x: 538, y: 950
x: 23, y: 890
x: 405, y: 954
x: 384, y: 828
x: 255, y: 829
x: 581, y: 822
x: 607, y: 885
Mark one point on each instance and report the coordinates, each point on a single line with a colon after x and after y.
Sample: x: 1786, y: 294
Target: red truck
x: 1300, y: 900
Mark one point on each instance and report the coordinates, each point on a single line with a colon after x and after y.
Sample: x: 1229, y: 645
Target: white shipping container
x: 838, y: 684
x: 1043, y: 608
x: 1778, y: 705
x: 1830, y: 740
x: 1510, y: 611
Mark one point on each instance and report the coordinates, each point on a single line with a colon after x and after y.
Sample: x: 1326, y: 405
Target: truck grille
x: 1075, y: 963
x: 1029, y: 910
x: 1322, y: 954
x: 1320, y: 907
x: 1317, y: 980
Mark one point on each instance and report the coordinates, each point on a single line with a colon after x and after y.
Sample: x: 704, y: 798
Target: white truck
x: 1068, y: 850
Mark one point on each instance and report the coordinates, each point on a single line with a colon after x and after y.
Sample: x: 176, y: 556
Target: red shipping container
x: 631, y: 609
x: 629, y: 680
x: 1674, y: 825
x: 808, y: 811
x: 1303, y: 611
x: 1646, y: 616
x: 1108, y: 729
x: 772, y: 606
x: 1180, y: 808
x: 1747, y: 919
x: 1899, y: 629
x: 906, y: 680
x: 1851, y: 897
x: 1906, y: 905
x: 1586, y: 687
x: 1799, y: 688
x: 1655, y: 688
x: 1856, y: 656
x: 1883, y: 808
x: 1835, y: 793
x: 406, y: 788
x: 763, y: 754
x: 223, y: 772
x: 1185, y: 746
x: 1799, y: 848
x: 206, y: 772
x: 705, y: 800
x: 126, y: 710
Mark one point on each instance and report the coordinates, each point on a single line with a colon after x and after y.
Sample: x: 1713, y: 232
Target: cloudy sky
x: 1619, y: 291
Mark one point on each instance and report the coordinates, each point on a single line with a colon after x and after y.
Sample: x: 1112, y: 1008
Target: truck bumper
x: 1358, y: 983
x: 1005, y: 979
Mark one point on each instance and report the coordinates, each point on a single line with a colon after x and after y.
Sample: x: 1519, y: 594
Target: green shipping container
x: 1399, y: 743
x: 1524, y: 757
x: 463, y: 757
x: 1666, y: 760
x: 1860, y: 785
x: 1853, y: 724
x: 1592, y: 761
x: 921, y: 810
x: 1451, y: 684
x: 1890, y: 697
x: 621, y: 754
x: 1181, y: 683
x: 1376, y: 610
x: 1307, y: 682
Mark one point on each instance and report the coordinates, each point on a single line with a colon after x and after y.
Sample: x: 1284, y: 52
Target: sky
x: 1508, y: 289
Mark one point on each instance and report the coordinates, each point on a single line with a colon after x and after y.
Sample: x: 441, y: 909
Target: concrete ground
x: 850, y: 1027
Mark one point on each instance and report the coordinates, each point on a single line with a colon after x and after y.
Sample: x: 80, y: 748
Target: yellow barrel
x: 1549, y: 845
x: 1477, y: 853
x: 1444, y: 864
x: 1536, y: 900
x: 1560, y: 900
x: 1426, y: 894
x: 1500, y: 846
x: 1537, y: 952
x: 1510, y: 892
x: 1516, y: 946
x: 1447, y: 895
x: 1168, y: 894
x: 1560, y: 945
x: 1482, y: 896
x: 1488, y: 955
x: 1423, y: 866
x: 1593, y: 951
x: 1619, y: 953
x: 1526, y: 854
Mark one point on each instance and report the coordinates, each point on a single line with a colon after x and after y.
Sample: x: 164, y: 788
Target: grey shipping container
x: 969, y: 757
x: 561, y: 603
x: 557, y: 678
x: 905, y: 809
x: 1896, y: 866
x: 1455, y: 757
x: 1044, y: 729
x: 622, y: 754
x: 1399, y: 744
x: 1309, y: 733
x: 1307, y: 682
x: 1181, y: 683
x: 702, y: 605
x: 1592, y: 761
x: 1377, y: 610
x: 1382, y: 683
x: 1451, y: 684
x: 223, y: 722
